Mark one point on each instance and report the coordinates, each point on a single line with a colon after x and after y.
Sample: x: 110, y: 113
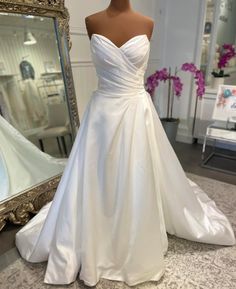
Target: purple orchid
x: 189, y: 67
x: 198, y: 75
x: 177, y: 85
x: 227, y: 52
x: 154, y: 80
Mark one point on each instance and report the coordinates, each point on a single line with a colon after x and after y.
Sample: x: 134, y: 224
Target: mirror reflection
x: 35, y: 128
x: 219, y: 30
x: 22, y: 164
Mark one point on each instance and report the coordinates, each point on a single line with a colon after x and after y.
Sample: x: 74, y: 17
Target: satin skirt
x: 122, y: 190
x: 22, y: 164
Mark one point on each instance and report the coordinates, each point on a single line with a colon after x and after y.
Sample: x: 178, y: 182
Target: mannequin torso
x: 119, y: 23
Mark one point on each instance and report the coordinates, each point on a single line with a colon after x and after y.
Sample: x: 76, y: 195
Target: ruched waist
x: 117, y: 93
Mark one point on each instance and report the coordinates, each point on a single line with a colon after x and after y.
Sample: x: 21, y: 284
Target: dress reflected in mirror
x: 22, y: 164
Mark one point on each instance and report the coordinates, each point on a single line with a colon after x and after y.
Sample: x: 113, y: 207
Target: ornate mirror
x: 38, y: 110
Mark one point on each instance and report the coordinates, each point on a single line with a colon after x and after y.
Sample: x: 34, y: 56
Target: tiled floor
x: 190, y: 158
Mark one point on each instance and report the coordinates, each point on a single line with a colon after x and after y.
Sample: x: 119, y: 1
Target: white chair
x: 58, y: 126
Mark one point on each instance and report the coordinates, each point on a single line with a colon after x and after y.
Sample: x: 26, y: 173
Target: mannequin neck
x: 119, y: 5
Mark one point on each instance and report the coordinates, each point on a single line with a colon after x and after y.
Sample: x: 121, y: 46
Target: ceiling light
x: 29, y: 38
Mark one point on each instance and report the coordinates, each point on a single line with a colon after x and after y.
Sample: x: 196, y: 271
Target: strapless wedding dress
x: 123, y: 187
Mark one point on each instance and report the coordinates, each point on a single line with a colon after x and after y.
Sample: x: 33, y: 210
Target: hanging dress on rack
x: 18, y: 107
x: 5, y: 105
x: 36, y: 108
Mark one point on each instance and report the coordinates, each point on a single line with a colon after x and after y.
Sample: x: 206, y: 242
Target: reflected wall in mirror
x: 220, y: 26
x: 32, y: 91
x: 38, y: 110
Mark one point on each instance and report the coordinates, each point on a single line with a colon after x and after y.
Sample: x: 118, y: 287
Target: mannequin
x: 119, y: 23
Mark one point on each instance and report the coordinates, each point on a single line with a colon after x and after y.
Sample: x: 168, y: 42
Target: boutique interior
x: 32, y: 93
x: 47, y: 77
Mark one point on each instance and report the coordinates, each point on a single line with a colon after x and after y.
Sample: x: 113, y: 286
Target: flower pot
x: 216, y: 81
x: 170, y: 126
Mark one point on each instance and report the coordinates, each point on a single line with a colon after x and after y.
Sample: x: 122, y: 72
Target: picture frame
x: 225, y: 104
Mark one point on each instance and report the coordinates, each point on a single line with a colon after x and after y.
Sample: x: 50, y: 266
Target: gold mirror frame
x: 18, y: 208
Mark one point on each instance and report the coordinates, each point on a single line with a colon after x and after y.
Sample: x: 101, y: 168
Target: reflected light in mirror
x: 29, y: 38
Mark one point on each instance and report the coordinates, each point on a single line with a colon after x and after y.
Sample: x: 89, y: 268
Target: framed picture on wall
x: 225, y: 104
x: 208, y: 27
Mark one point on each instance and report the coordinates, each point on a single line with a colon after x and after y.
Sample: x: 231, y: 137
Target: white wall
x: 182, y: 27
x: 12, y: 51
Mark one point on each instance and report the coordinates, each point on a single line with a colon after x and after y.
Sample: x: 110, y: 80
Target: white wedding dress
x: 22, y: 164
x: 123, y: 187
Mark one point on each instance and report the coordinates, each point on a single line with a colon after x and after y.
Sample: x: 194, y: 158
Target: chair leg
x: 204, y: 147
x: 71, y: 138
x: 41, y: 145
x: 59, y: 145
x: 64, y: 144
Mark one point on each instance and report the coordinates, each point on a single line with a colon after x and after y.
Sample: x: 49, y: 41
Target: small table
x: 215, y: 133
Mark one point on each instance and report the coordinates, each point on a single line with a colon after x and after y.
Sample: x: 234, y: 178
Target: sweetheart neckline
x: 120, y: 47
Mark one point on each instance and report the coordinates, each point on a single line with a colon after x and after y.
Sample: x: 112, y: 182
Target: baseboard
x: 184, y: 138
x: 183, y: 133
